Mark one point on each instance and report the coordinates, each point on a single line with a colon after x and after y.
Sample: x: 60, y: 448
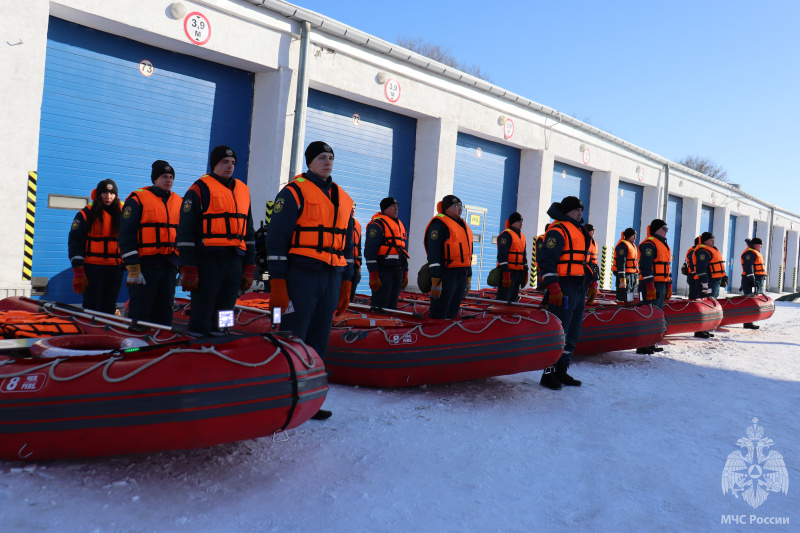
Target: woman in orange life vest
x: 216, y: 241
x: 448, y: 245
x: 386, y: 255
x: 655, y: 271
x: 512, y: 259
x: 626, y: 265
x: 569, y: 281
x: 147, y: 242
x: 753, y: 273
x: 93, y: 249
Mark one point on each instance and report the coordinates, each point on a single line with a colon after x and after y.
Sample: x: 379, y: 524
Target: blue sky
x: 711, y: 78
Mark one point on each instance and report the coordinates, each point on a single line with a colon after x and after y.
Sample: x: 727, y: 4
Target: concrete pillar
x: 774, y: 275
x: 792, y: 249
x: 721, y: 238
x: 434, y: 170
x: 651, y: 207
x: 270, y: 138
x: 744, y: 230
x: 535, y: 188
x: 603, y: 216
x: 690, y: 228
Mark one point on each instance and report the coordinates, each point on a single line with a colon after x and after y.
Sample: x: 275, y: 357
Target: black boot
x: 322, y: 414
x: 750, y: 325
x: 549, y: 379
x: 647, y: 350
x: 563, y: 377
x: 701, y: 334
x: 709, y: 334
x: 657, y: 349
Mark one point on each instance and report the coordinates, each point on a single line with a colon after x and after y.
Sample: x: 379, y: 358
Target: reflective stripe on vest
x: 516, y: 252
x: 662, y: 262
x: 394, y: 236
x: 458, y: 246
x: 321, y: 228
x: 758, y: 264
x: 716, y: 267
x: 574, y: 255
x: 225, y: 218
x: 159, y: 225
x: 101, y: 244
x: 631, y: 261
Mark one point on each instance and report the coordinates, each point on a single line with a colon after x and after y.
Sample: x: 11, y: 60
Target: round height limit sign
x: 197, y: 28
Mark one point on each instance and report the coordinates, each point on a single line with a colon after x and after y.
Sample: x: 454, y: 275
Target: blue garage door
x: 707, y: 219
x: 102, y: 118
x: 486, y: 177
x: 374, y: 151
x: 572, y: 181
x: 629, y: 209
x: 674, y: 216
x: 731, y: 243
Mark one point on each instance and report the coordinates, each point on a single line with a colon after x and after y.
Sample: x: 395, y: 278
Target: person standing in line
x: 356, y: 255
x: 655, y: 271
x: 753, y: 272
x: 569, y: 280
x: 448, y: 245
x: 386, y: 255
x: 626, y: 265
x: 148, y: 244
x: 216, y: 241
x: 694, y: 292
x: 593, y: 253
x: 94, y: 251
x: 512, y: 259
x: 310, y: 242
x: 709, y: 272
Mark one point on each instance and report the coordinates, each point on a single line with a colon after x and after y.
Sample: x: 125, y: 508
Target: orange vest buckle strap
x: 458, y: 246
x: 321, y: 228
x: 716, y: 267
x: 394, y: 237
x: 631, y: 265
x: 159, y: 224
x: 225, y: 218
x: 575, y: 254
x: 516, y: 252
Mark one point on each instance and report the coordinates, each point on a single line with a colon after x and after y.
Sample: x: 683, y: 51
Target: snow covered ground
x: 640, y: 446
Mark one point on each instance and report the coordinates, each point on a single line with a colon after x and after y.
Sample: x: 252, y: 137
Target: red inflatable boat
x: 688, y: 316
x: 93, y: 394
x: 750, y: 308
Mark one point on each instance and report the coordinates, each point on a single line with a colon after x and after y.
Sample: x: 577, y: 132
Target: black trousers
x: 454, y: 288
x: 153, y: 301
x: 103, y: 290
x: 219, y: 278
x: 386, y: 297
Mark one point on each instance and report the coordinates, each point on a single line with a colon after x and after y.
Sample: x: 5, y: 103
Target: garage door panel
x: 629, y: 209
x: 571, y: 181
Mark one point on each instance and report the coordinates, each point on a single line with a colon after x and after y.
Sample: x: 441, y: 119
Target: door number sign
x: 146, y: 67
x: 197, y: 28
x: 508, y: 129
x: 392, y: 90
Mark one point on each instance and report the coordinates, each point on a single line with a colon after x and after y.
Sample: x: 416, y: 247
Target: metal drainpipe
x: 771, y: 243
x: 299, y: 134
x: 666, y: 192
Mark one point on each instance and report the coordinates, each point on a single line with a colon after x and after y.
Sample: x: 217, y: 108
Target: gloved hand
x: 189, y: 278
x: 685, y: 269
x: 650, y: 289
x: 135, y: 276
x: 668, y: 294
x: 79, y: 281
x: 623, y: 282
x: 556, y: 296
x: 375, y: 280
x: 524, y: 280
x: 469, y: 286
x: 506, y: 279
x: 278, y: 295
x: 704, y: 290
x: 591, y: 293
x: 724, y: 282
x: 436, y: 288
x: 247, y: 277
x: 344, y: 297
x: 404, y: 283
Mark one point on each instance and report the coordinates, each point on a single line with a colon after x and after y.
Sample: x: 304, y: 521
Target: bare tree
x: 441, y: 54
x: 706, y: 166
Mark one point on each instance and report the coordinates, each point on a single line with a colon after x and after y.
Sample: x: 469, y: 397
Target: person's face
x: 757, y: 247
x: 517, y: 225
x: 107, y: 197
x: 662, y: 231
x: 165, y: 182
x: 454, y: 211
x: 591, y: 234
x: 225, y: 167
x: 322, y: 165
x: 391, y: 211
x: 709, y: 242
x: 632, y: 238
x: 576, y: 214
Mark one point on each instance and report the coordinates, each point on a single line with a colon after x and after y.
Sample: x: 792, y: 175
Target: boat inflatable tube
x: 79, y: 345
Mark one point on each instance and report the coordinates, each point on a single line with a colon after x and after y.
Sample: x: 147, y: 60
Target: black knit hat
x: 107, y: 186
x: 514, y: 217
x: 387, y: 202
x: 629, y: 232
x: 756, y: 240
x: 316, y: 148
x: 449, y: 201
x: 656, y: 225
x: 589, y: 227
x: 707, y: 235
x: 161, y: 167
x: 570, y: 203
x: 218, y: 154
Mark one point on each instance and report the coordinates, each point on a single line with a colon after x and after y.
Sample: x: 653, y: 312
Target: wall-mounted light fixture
x: 382, y: 77
x: 177, y: 10
x: 501, y: 120
x: 583, y: 148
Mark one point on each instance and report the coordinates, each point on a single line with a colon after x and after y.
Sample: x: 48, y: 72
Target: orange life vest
x: 716, y: 267
x: 25, y: 324
x: 159, y: 224
x: 394, y: 236
x: 356, y: 242
x: 662, y: 262
x: 631, y: 261
x: 101, y: 244
x: 321, y: 228
x: 225, y: 219
x: 458, y: 246
x: 690, y: 260
x: 593, y: 253
x: 758, y: 264
x: 516, y: 252
x: 575, y: 254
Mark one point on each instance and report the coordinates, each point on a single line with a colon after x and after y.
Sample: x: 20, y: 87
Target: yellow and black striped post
x: 603, y: 268
x: 780, y: 277
x: 794, y: 278
x: 534, y: 272
x: 268, y: 216
x: 30, y: 218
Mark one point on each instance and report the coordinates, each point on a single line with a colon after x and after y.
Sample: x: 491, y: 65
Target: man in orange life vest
x: 626, y: 265
x: 688, y: 271
x: 147, y: 242
x: 709, y: 267
x: 357, y: 259
x: 448, y: 245
x: 753, y: 273
x: 512, y: 259
x: 215, y: 241
x: 386, y: 255
x: 568, y: 279
x: 593, y: 252
x: 310, y: 243
x: 655, y: 271
x: 93, y: 249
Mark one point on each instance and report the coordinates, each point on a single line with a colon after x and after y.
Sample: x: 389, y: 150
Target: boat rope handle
x: 55, y: 363
x: 310, y: 363
x: 619, y: 310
